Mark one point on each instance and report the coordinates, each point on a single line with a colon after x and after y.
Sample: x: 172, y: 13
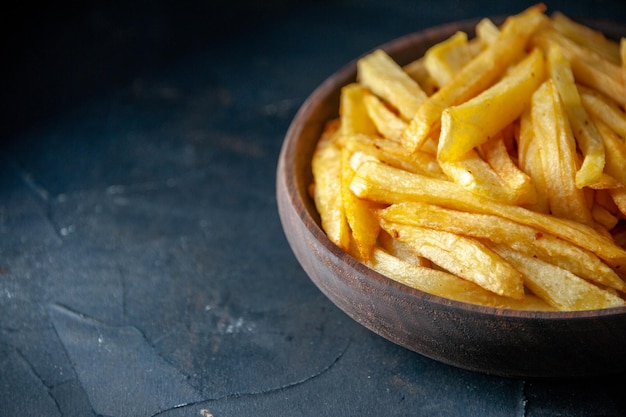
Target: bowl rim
x: 287, y: 173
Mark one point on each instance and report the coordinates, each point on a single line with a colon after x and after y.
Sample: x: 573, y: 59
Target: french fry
x: 523, y: 238
x: 417, y: 71
x: 359, y: 213
x: 445, y: 59
x: 447, y: 285
x: 474, y: 174
x: 622, y: 52
x: 496, y: 154
x: 583, y: 128
x: 385, y: 78
x: 529, y: 160
x: 486, y: 31
x: 557, y: 286
x: 378, y: 182
x: 477, y: 75
x: 558, y: 155
x: 604, y: 217
x: 615, y: 152
x: 586, y: 37
x: 400, y: 250
x: 615, y: 163
x: 605, y: 109
x: 393, y: 154
x: 475, y: 121
x: 388, y: 124
x: 470, y: 259
x: 353, y: 113
x: 327, y: 193
x: 590, y: 68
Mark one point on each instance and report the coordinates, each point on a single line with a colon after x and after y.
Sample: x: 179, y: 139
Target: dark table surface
x: 143, y: 267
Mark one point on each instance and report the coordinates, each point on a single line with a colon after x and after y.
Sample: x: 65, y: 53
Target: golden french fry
x: 603, y: 199
x: 393, y: 154
x: 447, y: 285
x: 470, y: 259
x: 352, y: 112
x: 445, y: 59
x: 378, y: 182
x: 590, y: 68
x: 477, y: 176
x: 558, y: 153
x: 486, y: 31
x: 497, y: 156
x: 359, y: 213
x: 475, y: 121
x: 529, y: 160
x: 417, y: 71
x: 477, y: 75
x: 557, y: 286
x: 523, y: 238
x: 327, y: 194
x: 604, y: 217
x: 605, y: 109
x: 615, y: 152
x: 400, y: 250
x: 622, y: 52
x: 583, y: 128
x: 586, y: 36
x: 385, y: 78
x: 388, y: 124
x: 615, y: 163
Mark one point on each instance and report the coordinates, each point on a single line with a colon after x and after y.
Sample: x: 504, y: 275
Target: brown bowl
x: 484, y: 339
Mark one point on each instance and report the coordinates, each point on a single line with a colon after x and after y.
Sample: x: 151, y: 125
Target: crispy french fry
x: 586, y: 36
x: 388, y: 124
x: 400, y: 250
x: 622, y: 52
x: 327, y: 194
x: 359, y: 213
x: 523, y: 238
x: 353, y: 113
x: 495, y: 153
x: 476, y: 175
x: 558, y: 153
x: 486, y: 31
x: 615, y: 163
x: 477, y: 75
x: 445, y: 59
x: 605, y: 109
x: 475, y: 121
x: 447, y: 285
x: 385, y: 78
x: 417, y: 71
x: 378, y: 182
x: 615, y: 152
x: 589, y: 68
x: 583, y: 128
x: 393, y: 154
x: 529, y: 160
x: 604, y: 217
x: 557, y: 286
x: 470, y: 259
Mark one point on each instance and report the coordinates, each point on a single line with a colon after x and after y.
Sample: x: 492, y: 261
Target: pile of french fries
x: 491, y: 170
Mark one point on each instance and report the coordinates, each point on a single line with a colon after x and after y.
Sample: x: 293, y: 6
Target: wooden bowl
x: 484, y: 339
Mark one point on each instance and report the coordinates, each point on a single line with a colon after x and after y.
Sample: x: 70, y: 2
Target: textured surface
x: 143, y: 269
